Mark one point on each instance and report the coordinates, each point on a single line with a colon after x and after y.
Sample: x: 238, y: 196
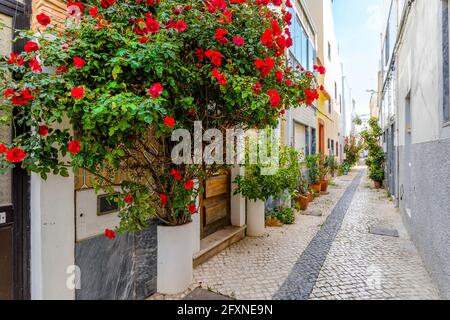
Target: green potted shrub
x: 312, y: 163
x: 323, y: 173
x: 303, y: 195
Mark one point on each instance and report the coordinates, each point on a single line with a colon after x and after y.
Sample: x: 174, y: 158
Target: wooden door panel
x: 216, y: 186
x: 216, y: 210
x: 6, y: 263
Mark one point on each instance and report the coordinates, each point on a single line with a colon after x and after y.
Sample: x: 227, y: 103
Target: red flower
x: 156, y: 90
x: 228, y: 16
x: 220, y: 35
x: 78, y: 92
x: 176, y: 174
x: 257, y: 88
x: 200, y: 54
x: 152, y: 25
x: 80, y: 6
x: 311, y: 96
x: 192, y: 208
x: 279, y: 75
x: 143, y: 39
x: 35, y: 65
x: 163, y: 200
x: 2, y: 148
x: 61, y: 70
x: 128, y: 199
x: 267, y: 38
x: 13, y: 59
x: 221, y: 79
x: 287, y: 16
x: 181, y: 26
x: 93, y: 11
x: 238, y: 41
x: 169, y: 122
x: 214, y: 56
x: 288, y: 82
x: 43, y: 130
x: 74, y: 147
x: 78, y: 62
x: 320, y: 69
x: 31, y: 46
x: 107, y: 3
x: 110, y: 234
x: 288, y: 4
x: 15, y: 155
x: 265, y: 66
x: 43, y: 19
x: 275, y: 98
x: 23, y: 98
x: 8, y: 92
x: 189, y: 184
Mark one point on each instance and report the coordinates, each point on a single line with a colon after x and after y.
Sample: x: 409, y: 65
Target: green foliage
x: 119, y: 125
x: 331, y: 164
x: 353, y: 147
x: 375, y: 159
x: 284, y: 215
x: 312, y: 163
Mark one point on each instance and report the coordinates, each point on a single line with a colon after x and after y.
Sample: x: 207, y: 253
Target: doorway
x: 14, y: 185
x: 321, y: 137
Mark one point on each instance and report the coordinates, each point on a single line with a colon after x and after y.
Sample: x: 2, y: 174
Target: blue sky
x: 358, y: 26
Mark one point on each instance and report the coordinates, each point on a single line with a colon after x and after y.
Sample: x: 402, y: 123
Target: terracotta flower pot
x: 310, y: 197
x: 303, y: 202
x: 316, y: 187
x: 378, y: 184
x: 324, y: 185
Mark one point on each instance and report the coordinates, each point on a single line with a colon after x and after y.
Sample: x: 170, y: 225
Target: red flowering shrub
x: 127, y: 73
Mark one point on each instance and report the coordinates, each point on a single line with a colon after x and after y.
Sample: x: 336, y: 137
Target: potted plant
x: 303, y: 197
x: 122, y: 78
x: 375, y: 159
x: 323, y: 173
x: 312, y: 163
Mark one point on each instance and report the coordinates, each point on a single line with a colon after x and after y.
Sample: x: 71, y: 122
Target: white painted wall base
x: 175, y: 253
x: 237, y: 202
x: 255, y: 218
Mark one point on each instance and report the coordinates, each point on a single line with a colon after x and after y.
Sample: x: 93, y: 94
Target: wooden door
x: 321, y: 138
x: 215, y: 204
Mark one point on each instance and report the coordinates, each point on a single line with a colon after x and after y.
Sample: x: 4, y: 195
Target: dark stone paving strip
x: 300, y: 282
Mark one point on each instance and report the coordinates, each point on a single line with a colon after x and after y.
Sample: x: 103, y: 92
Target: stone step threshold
x: 217, y: 242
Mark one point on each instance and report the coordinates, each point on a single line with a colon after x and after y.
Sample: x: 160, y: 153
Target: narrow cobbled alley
x: 351, y: 244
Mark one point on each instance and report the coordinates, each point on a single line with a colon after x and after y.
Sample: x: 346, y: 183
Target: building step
x: 217, y: 242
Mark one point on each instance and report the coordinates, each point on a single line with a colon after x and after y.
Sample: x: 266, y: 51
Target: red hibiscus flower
x: 93, y: 12
x: 14, y: 59
x: 43, y: 19
x: 214, y: 56
x: 163, y: 200
x: 43, y: 130
x: 176, y: 174
x: 192, y: 208
x: 128, y: 199
x: 79, y: 62
x: 78, y: 92
x: 35, y: 65
x: 15, y: 155
x: 2, y: 148
x: 238, y: 41
x: 275, y: 98
x: 110, y: 234
x: 220, y: 36
x: 169, y: 122
x: 181, y: 26
x: 189, y: 184
x: 31, y: 46
x: 74, y: 147
x: 156, y: 90
x: 221, y: 79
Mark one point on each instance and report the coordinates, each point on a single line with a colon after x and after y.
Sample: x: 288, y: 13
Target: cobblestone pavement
x: 327, y: 257
x: 364, y: 266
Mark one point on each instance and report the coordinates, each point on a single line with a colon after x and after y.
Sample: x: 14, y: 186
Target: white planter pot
x: 175, y: 251
x: 256, y: 220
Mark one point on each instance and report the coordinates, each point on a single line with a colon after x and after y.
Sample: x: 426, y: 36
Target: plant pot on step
x: 175, y: 251
x: 378, y: 184
x: 316, y: 187
x: 255, y: 218
x: 324, y: 185
x: 303, y: 202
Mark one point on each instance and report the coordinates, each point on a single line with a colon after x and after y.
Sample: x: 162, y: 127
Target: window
x: 337, y: 149
x: 313, y: 141
x: 330, y: 103
x: 303, y: 47
x: 307, y: 141
x: 335, y: 91
x: 446, y: 58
